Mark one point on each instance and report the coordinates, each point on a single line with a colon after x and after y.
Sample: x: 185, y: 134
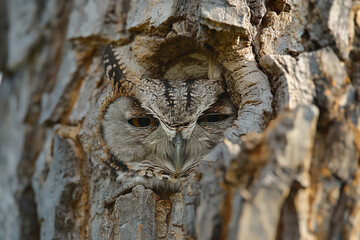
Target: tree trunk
x: 288, y: 169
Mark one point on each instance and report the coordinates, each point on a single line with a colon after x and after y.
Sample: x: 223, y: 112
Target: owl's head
x: 160, y: 129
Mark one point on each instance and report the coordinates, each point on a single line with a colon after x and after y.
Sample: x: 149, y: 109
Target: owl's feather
x: 166, y: 152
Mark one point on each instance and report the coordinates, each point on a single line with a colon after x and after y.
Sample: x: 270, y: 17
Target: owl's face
x: 160, y: 129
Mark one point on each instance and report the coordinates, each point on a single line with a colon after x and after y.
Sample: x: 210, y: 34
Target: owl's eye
x: 142, y: 121
x: 214, y: 117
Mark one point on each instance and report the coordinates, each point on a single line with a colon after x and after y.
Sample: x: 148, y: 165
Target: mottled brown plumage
x: 156, y: 130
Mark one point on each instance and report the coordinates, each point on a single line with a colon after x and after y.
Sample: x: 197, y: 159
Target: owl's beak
x: 177, y: 157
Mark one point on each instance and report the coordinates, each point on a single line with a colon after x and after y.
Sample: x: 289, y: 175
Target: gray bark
x: 288, y: 169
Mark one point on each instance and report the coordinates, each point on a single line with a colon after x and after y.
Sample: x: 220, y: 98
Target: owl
x: 157, y: 130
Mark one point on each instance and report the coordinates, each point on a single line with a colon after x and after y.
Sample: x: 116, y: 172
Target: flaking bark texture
x: 287, y: 169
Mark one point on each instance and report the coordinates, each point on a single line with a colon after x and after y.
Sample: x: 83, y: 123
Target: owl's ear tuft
x: 111, y: 65
x: 113, y: 70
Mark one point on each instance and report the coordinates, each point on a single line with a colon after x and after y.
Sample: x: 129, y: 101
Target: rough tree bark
x: 288, y: 169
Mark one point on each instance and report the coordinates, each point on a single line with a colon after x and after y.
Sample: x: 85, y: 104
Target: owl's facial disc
x: 168, y: 128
